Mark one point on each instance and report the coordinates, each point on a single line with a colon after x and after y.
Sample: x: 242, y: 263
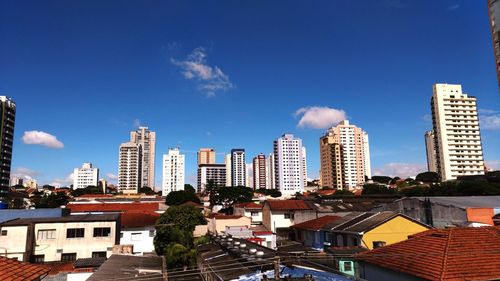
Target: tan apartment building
x: 147, y: 141
x: 344, y: 156
x: 206, y: 156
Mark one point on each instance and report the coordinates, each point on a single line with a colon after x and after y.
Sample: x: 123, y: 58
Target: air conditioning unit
x: 59, y: 251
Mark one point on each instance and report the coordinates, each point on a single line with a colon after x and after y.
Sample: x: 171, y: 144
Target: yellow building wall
x: 395, y: 230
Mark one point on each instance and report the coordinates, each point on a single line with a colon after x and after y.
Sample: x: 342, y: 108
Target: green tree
x: 427, y: 177
x: 167, y: 234
x: 189, y: 188
x: 371, y: 189
x: 227, y: 196
x: 53, y: 200
x: 179, y: 197
x: 91, y: 189
x: 269, y: 191
x: 183, y: 217
x: 343, y: 192
x: 382, y: 179
x: 146, y: 190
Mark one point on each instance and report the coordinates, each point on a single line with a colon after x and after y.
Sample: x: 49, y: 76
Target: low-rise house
x: 138, y: 229
x: 258, y: 235
x: 251, y: 210
x: 312, y: 233
x: 64, y: 238
x: 372, y: 230
x: 442, y: 212
x: 112, y: 207
x: 437, y: 254
x: 279, y: 215
x: 217, y: 223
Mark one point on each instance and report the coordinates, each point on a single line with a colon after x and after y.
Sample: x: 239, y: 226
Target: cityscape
x: 243, y: 159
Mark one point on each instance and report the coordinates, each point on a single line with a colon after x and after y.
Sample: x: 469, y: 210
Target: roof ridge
x: 445, y: 256
x: 350, y: 219
x: 374, y: 214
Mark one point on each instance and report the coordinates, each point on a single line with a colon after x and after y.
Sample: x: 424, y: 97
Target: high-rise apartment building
x: 206, y: 156
x: 494, y: 13
x: 270, y: 171
x: 8, y: 115
x: 173, y: 171
x: 147, y: 140
x: 430, y: 150
x: 238, y: 167
x: 345, y: 156
x: 289, y: 164
x: 85, y: 176
x: 260, y: 172
x: 457, y: 137
x: 227, y: 161
x: 129, y: 168
x: 211, y: 173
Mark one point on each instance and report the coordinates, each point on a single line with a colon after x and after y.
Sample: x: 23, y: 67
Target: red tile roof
x: 112, y: 207
x: 316, y: 224
x: 249, y: 206
x: 12, y: 270
x: 139, y: 219
x: 288, y: 205
x: 443, y: 254
x: 327, y: 192
x: 95, y: 196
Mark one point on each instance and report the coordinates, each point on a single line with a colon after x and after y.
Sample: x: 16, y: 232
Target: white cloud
x: 493, y: 164
x: 24, y: 173
x: 210, y: 79
x: 319, y: 117
x: 111, y: 176
x: 427, y: 117
x: 489, y: 119
x: 63, y: 182
x: 402, y: 170
x: 42, y: 138
x: 136, y: 123
x: 453, y: 7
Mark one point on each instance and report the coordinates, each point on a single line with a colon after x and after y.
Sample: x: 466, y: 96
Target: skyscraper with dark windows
x: 8, y: 115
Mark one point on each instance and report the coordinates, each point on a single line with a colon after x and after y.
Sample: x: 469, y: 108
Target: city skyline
x: 289, y: 85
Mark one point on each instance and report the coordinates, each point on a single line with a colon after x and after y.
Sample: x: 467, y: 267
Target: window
x: 102, y: 231
x: 347, y: 266
x: 99, y: 255
x: 253, y: 214
x: 152, y: 233
x: 75, y: 233
x: 289, y: 216
x: 136, y: 236
x: 38, y: 258
x: 68, y: 257
x: 4, y: 233
x: 44, y: 234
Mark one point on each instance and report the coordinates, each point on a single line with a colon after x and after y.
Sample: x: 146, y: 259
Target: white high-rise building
x: 129, y: 168
x: 304, y: 165
x: 430, y: 150
x: 147, y: 140
x: 238, y: 167
x: 85, y: 176
x: 227, y: 161
x: 457, y: 138
x: 173, y: 171
x: 270, y: 171
x: 289, y: 165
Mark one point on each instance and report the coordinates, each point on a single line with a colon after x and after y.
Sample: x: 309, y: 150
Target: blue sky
x: 228, y: 74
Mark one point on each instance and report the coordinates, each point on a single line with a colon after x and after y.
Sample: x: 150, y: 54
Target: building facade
x: 457, y: 138
x: 129, y: 168
x: 494, y: 13
x: 85, y: 176
x: 173, y: 171
x: 147, y: 140
x: 8, y: 115
x: 345, y: 156
x: 289, y: 164
x: 211, y: 173
x: 206, y: 156
x: 260, y: 172
x: 238, y: 167
x: 65, y: 238
x: 227, y: 161
x: 430, y: 150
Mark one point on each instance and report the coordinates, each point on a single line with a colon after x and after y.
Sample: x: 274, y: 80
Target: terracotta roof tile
x: 316, y: 224
x: 11, y: 269
x: 223, y: 216
x: 443, y: 254
x: 249, y: 206
x: 288, y: 205
x: 112, y: 207
x: 139, y: 219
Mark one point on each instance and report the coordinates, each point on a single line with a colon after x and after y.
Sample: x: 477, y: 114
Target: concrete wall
x: 218, y: 225
x: 14, y: 242
x: 395, y: 230
x: 140, y: 237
